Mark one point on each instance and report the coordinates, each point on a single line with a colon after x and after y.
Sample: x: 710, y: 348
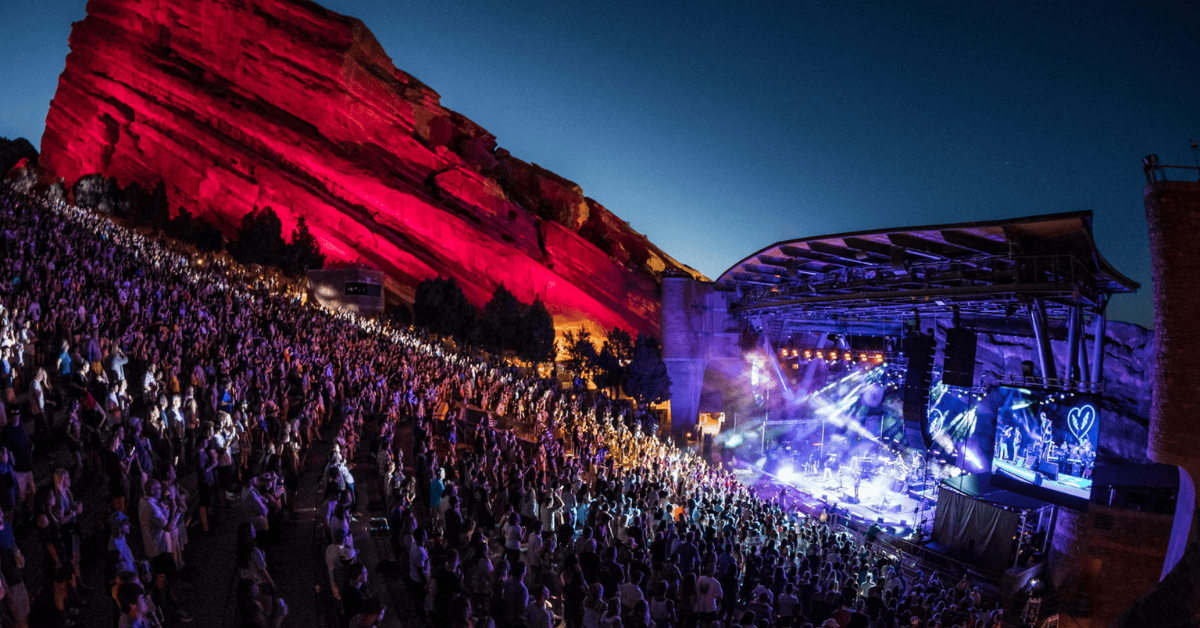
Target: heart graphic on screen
x: 1081, y: 420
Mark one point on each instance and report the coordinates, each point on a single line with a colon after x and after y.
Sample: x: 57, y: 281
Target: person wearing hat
x: 339, y: 553
x: 120, y: 556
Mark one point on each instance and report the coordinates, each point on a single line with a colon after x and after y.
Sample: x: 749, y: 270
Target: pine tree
x: 501, y: 322
x: 260, y: 239
x: 646, y: 377
x: 581, y: 353
x: 536, y: 342
x: 304, y: 252
x: 440, y: 307
x: 614, y: 357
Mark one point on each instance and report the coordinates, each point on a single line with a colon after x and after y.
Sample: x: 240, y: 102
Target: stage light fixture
x: 847, y: 357
x: 807, y: 354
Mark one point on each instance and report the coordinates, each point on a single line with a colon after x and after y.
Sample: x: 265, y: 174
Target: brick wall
x: 1104, y: 559
x: 1173, y: 218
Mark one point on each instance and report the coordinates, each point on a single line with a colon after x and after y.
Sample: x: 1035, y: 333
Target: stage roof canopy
x: 980, y: 269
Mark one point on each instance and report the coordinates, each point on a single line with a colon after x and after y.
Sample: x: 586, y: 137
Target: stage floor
x: 876, y: 498
x: 1067, y: 484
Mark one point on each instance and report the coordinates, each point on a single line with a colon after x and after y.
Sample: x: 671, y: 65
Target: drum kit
x: 895, y: 467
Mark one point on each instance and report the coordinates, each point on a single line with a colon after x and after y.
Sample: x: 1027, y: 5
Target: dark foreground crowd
x: 157, y: 371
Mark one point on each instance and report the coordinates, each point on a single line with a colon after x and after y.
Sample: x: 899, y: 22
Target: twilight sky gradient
x: 717, y: 128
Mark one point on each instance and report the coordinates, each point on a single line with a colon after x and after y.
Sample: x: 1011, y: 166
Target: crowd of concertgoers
x: 512, y: 502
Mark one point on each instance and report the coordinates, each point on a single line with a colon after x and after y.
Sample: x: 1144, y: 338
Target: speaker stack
x: 958, y: 368
x: 920, y: 349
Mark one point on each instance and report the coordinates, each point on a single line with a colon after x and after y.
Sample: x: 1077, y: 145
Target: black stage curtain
x: 977, y: 532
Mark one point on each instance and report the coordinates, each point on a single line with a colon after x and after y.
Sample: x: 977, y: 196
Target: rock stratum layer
x: 239, y: 104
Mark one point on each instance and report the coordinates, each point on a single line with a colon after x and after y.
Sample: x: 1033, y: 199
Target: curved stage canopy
x: 982, y: 270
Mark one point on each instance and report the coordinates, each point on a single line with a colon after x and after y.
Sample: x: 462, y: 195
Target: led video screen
x: 1045, y: 444
x: 960, y: 427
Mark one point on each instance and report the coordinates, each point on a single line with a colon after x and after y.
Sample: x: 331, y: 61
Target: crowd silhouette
x: 193, y: 392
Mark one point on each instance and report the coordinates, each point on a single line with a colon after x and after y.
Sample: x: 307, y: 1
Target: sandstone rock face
x: 240, y: 104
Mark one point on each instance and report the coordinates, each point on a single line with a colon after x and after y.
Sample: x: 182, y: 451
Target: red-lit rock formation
x: 282, y: 103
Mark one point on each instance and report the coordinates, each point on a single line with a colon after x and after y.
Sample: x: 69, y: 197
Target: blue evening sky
x: 717, y: 128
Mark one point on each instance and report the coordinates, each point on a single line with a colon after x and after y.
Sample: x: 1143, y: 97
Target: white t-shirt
x: 710, y: 594
x: 512, y: 536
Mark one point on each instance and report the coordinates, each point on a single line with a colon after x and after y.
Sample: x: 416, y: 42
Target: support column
x: 1041, y: 333
x: 1085, y: 369
x: 1073, y: 333
x: 1098, y: 347
x: 682, y: 350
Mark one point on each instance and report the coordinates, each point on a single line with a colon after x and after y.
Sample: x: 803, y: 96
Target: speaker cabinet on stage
x: 1049, y: 468
x: 958, y: 368
x: 920, y: 349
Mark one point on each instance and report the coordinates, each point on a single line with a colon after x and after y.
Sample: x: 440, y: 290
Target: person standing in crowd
x: 39, y: 405
x: 566, y: 484
x: 15, y: 439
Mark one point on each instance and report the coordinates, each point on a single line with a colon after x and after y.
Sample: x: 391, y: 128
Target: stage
x: 881, y: 497
x: 1068, y: 484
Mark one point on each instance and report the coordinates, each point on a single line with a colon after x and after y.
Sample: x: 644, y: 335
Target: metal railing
x: 916, y: 556
x: 1057, y: 383
x: 1156, y: 172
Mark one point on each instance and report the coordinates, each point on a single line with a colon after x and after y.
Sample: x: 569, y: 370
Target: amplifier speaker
x: 958, y: 367
x: 920, y: 349
x: 1049, y: 468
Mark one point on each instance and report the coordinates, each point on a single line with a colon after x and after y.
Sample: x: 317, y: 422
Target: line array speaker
x: 958, y: 367
x: 920, y: 349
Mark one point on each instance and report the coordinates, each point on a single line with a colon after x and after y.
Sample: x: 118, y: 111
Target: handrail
x: 1154, y: 170
x: 1073, y: 385
x: 920, y: 555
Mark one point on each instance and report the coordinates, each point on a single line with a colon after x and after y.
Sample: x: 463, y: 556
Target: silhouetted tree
x: 57, y: 193
x: 207, y: 236
x: 260, y: 239
x: 614, y: 356
x: 181, y: 226
x: 93, y: 191
x: 25, y: 180
x: 304, y: 252
x: 581, y: 353
x: 536, y: 343
x: 609, y: 371
x: 441, y: 308
x: 13, y: 151
x: 646, y: 376
x: 501, y: 321
x: 204, y: 235
x: 401, y: 316
x: 144, y: 208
